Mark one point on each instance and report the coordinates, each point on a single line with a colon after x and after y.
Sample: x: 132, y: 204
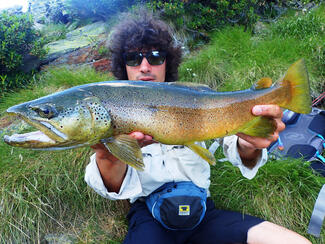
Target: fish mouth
x: 47, y: 136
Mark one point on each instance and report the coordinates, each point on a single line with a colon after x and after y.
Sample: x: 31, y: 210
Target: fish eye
x: 45, y: 111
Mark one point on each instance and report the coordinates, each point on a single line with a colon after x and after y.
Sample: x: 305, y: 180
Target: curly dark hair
x: 143, y: 31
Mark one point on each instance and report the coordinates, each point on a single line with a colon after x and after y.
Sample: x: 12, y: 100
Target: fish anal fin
x: 259, y: 127
x: 202, y: 152
x: 126, y: 149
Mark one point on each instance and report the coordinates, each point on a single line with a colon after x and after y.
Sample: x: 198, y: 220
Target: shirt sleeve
x: 130, y: 187
x: 230, y: 150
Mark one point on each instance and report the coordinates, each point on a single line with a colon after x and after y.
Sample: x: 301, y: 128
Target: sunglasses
x: 153, y: 57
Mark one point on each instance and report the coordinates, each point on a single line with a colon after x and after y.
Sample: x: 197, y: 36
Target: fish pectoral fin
x: 126, y: 149
x: 259, y: 127
x: 202, y: 152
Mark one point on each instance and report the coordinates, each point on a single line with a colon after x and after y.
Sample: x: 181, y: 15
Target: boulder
x: 103, y: 65
x: 77, y: 45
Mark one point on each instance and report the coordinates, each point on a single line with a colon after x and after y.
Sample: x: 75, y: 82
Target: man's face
x: 147, y: 72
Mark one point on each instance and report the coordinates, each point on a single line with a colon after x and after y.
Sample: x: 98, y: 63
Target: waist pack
x: 178, y: 205
x: 303, y: 136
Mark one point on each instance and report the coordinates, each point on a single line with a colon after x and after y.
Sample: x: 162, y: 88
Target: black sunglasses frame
x: 154, y: 57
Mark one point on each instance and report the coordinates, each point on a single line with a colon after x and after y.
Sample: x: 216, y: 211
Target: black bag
x: 303, y: 137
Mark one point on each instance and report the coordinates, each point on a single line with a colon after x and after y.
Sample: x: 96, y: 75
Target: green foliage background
x: 17, y: 39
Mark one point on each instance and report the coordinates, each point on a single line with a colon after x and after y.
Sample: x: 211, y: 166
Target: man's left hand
x: 249, y: 147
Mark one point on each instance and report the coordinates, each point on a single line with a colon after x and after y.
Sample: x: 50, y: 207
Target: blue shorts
x: 218, y: 227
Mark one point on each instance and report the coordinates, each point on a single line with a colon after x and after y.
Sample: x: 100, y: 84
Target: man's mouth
x: 147, y: 78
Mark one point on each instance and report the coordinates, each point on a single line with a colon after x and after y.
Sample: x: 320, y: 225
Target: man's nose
x: 145, y: 67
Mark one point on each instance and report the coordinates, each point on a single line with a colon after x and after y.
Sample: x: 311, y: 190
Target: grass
x: 236, y: 59
x: 43, y: 194
x: 283, y: 192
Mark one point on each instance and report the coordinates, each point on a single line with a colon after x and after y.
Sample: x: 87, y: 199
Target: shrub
x: 18, y: 38
x: 208, y: 15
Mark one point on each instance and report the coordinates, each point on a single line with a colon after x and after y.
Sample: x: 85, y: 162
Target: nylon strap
x: 317, y: 217
x: 214, y: 147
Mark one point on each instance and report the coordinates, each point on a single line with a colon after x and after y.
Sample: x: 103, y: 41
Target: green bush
x: 18, y: 38
x: 209, y: 15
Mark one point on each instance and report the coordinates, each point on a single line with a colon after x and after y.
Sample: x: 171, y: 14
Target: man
x: 143, y: 49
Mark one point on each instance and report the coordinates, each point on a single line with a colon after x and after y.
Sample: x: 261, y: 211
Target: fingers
x: 256, y: 142
x: 143, y: 139
x: 140, y: 136
x: 273, y: 111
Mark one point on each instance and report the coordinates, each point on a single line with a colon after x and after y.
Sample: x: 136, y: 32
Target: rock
x: 82, y: 38
x: 45, y: 11
x: 103, y: 65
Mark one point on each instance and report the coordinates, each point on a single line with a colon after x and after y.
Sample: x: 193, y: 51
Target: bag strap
x: 318, y: 155
x: 214, y: 146
x: 317, y: 217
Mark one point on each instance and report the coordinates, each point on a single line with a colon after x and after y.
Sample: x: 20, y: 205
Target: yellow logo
x: 183, y: 209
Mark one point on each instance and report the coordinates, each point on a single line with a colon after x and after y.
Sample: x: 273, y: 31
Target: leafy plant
x: 17, y: 39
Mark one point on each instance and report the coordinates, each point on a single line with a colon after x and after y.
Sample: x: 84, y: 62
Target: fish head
x: 64, y: 120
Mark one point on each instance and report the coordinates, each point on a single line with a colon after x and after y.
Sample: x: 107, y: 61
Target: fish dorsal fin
x: 263, y: 83
x: 126, y: 149
x: 192, y: 85
x: 202, y: 152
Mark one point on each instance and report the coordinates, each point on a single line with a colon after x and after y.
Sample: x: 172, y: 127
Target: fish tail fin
x: 296, y: 80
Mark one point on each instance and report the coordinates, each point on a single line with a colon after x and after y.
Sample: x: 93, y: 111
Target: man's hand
x: 111, y: 168
x: 249, y: 147
x: 103, y: 153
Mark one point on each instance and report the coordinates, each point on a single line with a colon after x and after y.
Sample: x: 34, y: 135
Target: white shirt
x: 167, y: 163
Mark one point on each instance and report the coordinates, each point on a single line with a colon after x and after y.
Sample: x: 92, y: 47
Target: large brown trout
x: 173, y: 113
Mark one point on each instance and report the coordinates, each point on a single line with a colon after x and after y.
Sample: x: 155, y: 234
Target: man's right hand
x: 103, y: 153
x: 111, y: 168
